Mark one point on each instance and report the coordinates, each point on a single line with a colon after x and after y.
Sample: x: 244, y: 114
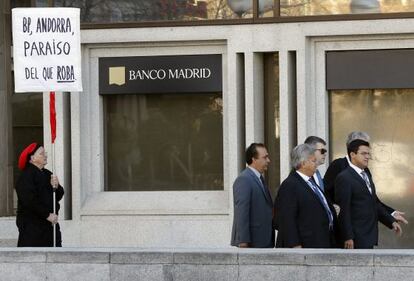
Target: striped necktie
x: 365, y: 177
x: 322, y: 199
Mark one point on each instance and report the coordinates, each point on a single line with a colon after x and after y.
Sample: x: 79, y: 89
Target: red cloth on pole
x: 52, y: 110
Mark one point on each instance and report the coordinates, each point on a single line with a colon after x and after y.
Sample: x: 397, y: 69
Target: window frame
x: 90, y: 154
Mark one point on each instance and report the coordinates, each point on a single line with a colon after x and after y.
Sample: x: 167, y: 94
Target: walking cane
x: 54, y: 197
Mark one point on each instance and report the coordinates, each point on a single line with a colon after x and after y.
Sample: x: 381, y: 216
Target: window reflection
x: 105, y: 11
x: 109, y: 11
x: 27, y: 122
x: 386, y: 115
x: 164, y: 142
x: 272, y: 117
x: 330, y: 7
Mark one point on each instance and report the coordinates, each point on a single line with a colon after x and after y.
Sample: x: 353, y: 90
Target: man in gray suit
x: 252, y: 223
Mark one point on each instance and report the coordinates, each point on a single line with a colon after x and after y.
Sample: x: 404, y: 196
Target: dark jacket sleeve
x: 387, y: 208
x: 276, y: 212
x: 343, y: 194
x: 28, y: 197
x: 287, y: 216
x: 329, y: 179
x: 59, y: 193
x: 384, y: 216
x: 242, y: 198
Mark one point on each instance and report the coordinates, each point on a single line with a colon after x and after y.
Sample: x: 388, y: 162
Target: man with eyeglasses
x: 319, y: 145
x: 360, y: 208
x: 320, y: 153
x: 340, y: 164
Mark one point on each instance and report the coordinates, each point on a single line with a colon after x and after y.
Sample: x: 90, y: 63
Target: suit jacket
x: 360, y: 210
x: 301, y: 218
x: 252, y: 222
x: 334, y: 169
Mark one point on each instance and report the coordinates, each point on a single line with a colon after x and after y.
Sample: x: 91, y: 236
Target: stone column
x: 6, y: 146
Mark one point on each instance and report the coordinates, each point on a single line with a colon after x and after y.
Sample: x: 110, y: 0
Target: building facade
x: 153, y: 164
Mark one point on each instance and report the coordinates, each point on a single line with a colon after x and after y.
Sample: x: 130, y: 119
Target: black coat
x: 301, y: 218
x: 334, y: 169
x: 360, y: 210
x: 34, y: 204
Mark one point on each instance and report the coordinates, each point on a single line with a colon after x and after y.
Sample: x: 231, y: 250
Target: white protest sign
x: 46, y: 49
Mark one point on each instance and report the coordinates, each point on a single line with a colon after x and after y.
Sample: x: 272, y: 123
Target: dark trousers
x: 38, y: 234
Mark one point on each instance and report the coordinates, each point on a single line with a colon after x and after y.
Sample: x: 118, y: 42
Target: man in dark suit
x: 360, y: 209
x: 320, y: 153
x: 304, y: 217
x: 340, y: 164
x: 252, y: 223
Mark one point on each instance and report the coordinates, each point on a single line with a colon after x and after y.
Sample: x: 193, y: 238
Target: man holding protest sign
x: 47, y: 58
x: 36, y: 216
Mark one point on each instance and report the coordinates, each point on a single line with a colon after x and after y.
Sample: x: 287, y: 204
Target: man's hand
x: 397, y: 228
x: 337, y: 209
x: 349, y: 244
x: 244, y: 245
x: 54, y: 181
x: 399, y: 216
x: 53, y: 218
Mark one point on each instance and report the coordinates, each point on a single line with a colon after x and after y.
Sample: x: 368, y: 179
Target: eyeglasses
x: 322, y: 150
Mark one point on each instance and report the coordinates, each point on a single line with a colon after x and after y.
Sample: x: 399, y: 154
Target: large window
x: 272, y: 117
x: 329, y: 7
x: 111, y: 11
x: 158, y: 142
x: 27, y: 111
x: 386, y: 115
x: 150, y: 10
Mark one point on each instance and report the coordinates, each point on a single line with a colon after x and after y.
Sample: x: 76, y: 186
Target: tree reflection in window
x: 106, y: 11
x: 329, y: 7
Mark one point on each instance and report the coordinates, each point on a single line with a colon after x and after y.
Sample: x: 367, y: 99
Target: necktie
x: 262, y: 180
x: 322, y: 199
x: 365, y: 177
x: 265, y: 189
x: 312, y: 179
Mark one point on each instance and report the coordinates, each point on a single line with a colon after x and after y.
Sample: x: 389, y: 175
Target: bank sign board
x: 46, y: 49
x: 160, y: 74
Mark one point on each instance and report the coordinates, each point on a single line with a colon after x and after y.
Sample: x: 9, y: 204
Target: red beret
x: 29, y: 150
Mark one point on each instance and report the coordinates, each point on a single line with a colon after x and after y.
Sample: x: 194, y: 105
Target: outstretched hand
x: 397, y: 228
x: 399, y: 216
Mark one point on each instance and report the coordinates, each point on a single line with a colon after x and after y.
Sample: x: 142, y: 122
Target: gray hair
x: 357, y: 135
x: 300, y: 154
x: 314, y: 140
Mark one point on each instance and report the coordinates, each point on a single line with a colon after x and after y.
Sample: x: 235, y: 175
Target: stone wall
x: 123, y: 264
